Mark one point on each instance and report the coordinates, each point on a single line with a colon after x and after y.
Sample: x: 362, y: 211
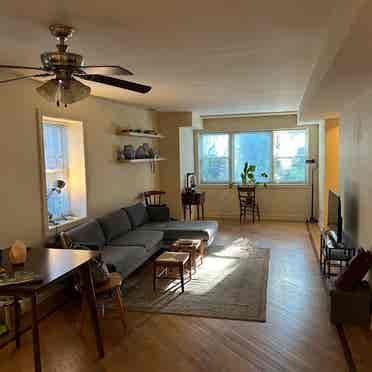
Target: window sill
x: 273, y: 186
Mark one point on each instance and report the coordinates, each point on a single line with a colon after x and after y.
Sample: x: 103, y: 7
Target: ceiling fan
x: 67, y: 68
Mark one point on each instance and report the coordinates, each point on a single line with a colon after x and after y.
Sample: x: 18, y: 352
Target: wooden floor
x: 296, y: 337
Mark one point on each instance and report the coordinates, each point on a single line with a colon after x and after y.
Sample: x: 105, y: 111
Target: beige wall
x: 355, y: 178
x: 109, y: 184
x: 186, y: 154
x: 170, y: 170
x: 332, y: 127
x: 284, y: 202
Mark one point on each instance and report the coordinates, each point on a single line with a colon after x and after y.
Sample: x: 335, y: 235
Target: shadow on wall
x: 351, y: 213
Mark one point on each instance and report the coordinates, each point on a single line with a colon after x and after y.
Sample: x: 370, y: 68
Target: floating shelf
x: 140, y: 160
x: 135, y: 134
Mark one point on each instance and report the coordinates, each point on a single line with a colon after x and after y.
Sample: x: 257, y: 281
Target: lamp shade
x: 64, y: 92
x: 49, y: 90
x: 60, y: 184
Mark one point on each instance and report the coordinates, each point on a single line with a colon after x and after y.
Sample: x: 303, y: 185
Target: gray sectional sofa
x: 128, y: 237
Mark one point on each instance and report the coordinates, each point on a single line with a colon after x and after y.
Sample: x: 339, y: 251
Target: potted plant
x: 247, y: 175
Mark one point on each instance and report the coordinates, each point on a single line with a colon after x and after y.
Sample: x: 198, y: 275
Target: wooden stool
x: 192, y: 246
x: 112, y: 289
x: 171, y: 260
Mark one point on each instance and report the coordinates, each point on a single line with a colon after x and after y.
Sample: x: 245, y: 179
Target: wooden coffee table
x: 169, y: 260
x: 196, y: 246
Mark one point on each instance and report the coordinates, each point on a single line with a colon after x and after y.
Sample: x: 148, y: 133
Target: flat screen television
x: 334, y: 216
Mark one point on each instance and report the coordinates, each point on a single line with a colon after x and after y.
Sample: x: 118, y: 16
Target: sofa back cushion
x: 115, y: 224
x: 89, y: 234
x: 137, y: 214
x: 355, y: 271
x: 158, y: 213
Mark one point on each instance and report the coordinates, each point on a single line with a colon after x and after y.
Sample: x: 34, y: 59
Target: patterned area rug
x: 230, y: 284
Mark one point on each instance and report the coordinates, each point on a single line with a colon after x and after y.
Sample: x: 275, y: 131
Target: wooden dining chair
x: 248, y: 203
x: 154, y: 198
x: 109, y: 292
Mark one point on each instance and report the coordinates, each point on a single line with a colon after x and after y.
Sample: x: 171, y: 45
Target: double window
x: 280, y: 154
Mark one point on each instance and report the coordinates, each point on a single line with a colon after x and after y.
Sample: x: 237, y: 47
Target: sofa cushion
x: 173, y: 230
x: 355, y: 271
x: 137, y: 214
x: 142, y: 238
x: 115, y: 224
x: 124, y: 259
x: 158, y: 213
x: 89, y: 234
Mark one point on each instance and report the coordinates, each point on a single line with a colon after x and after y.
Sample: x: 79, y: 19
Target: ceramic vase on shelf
x: 129, y: 152
x: 18, y: 253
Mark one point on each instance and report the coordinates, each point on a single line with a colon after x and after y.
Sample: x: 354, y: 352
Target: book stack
x: 187, y: 242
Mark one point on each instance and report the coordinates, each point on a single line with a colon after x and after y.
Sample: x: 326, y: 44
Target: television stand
x: 333, y: 254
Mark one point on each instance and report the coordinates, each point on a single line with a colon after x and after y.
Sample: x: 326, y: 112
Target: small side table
x: 193, y: 247
x: 190, y: 198
x: 170, y: 260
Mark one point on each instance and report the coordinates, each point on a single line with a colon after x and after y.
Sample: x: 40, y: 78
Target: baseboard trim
x: 265, y: 217
x: 340, y: 330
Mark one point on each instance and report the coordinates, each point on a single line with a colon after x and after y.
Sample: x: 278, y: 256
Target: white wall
x: 186, y: 154
x: 355, y: 172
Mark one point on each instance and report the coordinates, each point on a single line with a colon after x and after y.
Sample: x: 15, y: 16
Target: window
x: 280, y: 154
x: 214, y: 159
x: 289, y: 156
x: 254, y: 148
x: 64, y: 170
x: 56, y: 168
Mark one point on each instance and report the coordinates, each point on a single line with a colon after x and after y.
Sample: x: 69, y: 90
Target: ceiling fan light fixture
x: 49, y: 90
x: 64, y: 66
x: 64, y: 92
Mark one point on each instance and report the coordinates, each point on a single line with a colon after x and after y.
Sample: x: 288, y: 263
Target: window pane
x: 290, y: 170
x: 288, y: 143
x: 289, y: 156
x: 55, y: 154
x: 214, y: 158
x: 256, y: 149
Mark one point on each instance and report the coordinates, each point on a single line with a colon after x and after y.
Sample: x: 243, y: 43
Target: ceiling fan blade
x: 23, y: 67
x: 105, y: 70
x: 24, y: 77
x: 124, y: 84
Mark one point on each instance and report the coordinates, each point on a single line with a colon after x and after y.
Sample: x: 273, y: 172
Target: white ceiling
x: 349, y: 72
x: 208, y: 56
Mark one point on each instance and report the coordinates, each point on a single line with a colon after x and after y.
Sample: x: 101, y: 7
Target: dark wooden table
x: 53, y: 265
x: 191, y: 198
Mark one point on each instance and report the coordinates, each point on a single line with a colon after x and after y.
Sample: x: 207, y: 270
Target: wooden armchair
x: 153, y: 198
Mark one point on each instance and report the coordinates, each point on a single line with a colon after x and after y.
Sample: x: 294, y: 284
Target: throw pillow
x: 137, y: 214
x: 355, y: 271
x: 115, y: 224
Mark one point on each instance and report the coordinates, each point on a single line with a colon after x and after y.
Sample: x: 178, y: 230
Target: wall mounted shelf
x: 140, y: 160
x: 143, y: 135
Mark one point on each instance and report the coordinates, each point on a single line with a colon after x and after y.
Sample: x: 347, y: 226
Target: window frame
x: 231, y: 135
x: 228, y: 157
x: 77, y: 125
x: 306, y: 155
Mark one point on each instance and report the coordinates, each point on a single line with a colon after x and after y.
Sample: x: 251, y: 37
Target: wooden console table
x: 53, y: 265
x: 189, y: 199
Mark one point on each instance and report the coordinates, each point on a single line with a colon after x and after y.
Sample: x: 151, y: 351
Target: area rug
x: 230, y: 284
